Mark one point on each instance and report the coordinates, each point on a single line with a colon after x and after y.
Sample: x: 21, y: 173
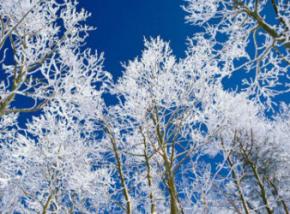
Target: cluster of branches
x: 178, y: 140
x: 249, y: 37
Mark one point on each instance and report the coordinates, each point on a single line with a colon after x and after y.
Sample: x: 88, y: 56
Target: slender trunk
x: 262, y: 188
x: 174, y: 205
x: 238, y: 185
x: 47, y: 203
x: 121, y: 173
x: 257, y: 176
x: 259, y: 181
x: 174, y: 208
x: 149, y: 176
x: 237, y: 180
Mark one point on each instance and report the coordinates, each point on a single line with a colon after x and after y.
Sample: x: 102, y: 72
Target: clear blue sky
x: 123, y: 24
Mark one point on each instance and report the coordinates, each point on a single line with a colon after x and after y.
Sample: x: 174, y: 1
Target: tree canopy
x: 178, y: 139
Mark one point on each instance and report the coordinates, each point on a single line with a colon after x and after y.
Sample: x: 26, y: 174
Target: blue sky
x: 122, y: 26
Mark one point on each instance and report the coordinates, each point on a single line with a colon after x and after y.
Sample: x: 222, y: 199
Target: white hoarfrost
x: 207, y: 133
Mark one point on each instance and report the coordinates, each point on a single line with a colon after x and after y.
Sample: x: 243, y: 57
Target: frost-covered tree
x: 158, y: 132
x: 41, y: 53
x: 255, y: 149
x: 50, y: 164
x: 251, y: 37
x: 50, y: 168
x: 178, y: 139
x: 248, y: 40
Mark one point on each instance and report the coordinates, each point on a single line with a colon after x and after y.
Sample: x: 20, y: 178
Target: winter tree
x: 247, y: 39
x: 47, y: 165
x: 179, y: 139
x: 250, y: 37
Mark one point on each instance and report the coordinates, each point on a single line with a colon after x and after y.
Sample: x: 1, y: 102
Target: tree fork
x: 174, y: 205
